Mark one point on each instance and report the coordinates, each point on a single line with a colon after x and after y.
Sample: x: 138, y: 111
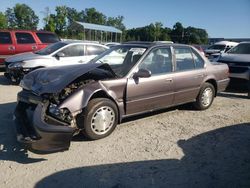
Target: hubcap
x: 207, y: 97
x: 102, y: 120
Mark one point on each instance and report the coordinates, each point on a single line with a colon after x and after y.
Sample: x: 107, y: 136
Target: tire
x: 205, y: 98
x: 94, y: 127
x: 248, y: 95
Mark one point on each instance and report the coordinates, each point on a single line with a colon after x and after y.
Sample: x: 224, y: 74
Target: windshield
x: 51, y: 48
x: 121, y: 58
x: 243, y: 48
x: 217, y: 47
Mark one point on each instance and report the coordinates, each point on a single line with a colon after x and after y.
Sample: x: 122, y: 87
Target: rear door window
x: 47, y: 37
x: 94, y: 50
x: 199, y: 62
x: 5, y: 38
x: 24, y: 38
x: 184, y: 59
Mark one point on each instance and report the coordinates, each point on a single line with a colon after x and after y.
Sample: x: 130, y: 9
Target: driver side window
x: 73, y: 51
x: 158, y: 61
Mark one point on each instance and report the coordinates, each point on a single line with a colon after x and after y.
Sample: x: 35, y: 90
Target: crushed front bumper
x: 33, y: 128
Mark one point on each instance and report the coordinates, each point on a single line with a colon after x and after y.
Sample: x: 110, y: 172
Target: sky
x: 220, y: 18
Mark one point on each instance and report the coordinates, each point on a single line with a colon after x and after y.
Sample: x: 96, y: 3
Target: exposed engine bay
x: 56, y: 99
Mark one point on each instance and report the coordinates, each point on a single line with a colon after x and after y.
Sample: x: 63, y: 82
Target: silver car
x: 238, y: 60
x: 58, y: 54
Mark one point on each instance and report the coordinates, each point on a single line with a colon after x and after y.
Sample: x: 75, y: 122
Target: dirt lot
x: 178, y: 147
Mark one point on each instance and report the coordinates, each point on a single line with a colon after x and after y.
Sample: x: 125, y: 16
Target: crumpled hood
x: 54, y: 79
x: 24, y: 57
x: 235, y: 57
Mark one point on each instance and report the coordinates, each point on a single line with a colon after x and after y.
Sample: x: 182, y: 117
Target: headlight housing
x: 15, y: 65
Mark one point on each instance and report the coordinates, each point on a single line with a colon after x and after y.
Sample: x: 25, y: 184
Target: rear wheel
x: 101, y: 118
x: 205, y: 97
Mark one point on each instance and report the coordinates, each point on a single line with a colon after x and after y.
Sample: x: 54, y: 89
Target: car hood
x: 24, y: 57
x: 54, y: 79
x: 227, y: 57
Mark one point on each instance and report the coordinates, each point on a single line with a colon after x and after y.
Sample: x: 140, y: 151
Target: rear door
x: 145, y: 94
x: 46, y: 39
x: 92, y: 51
x: 7, y: 46
x: 25, y: 42
x: 189, y: 74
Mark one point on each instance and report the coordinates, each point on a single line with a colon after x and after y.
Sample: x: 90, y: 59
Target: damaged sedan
x: 60, y: 102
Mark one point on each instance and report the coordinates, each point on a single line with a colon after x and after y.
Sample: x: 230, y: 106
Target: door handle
x: 169, y: 80
x: 11, y: 48
x: 34, y: 47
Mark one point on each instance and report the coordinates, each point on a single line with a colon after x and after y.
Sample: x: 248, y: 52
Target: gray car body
x: 132, y: 95
x: 189, y: 86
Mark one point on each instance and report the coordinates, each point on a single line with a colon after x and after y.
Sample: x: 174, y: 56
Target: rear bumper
x: 33, y: 128
x: 222, y: 84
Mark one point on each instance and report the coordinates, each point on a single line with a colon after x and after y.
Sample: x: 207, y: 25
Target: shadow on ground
x: 10, y: 150
x: 219, y: 158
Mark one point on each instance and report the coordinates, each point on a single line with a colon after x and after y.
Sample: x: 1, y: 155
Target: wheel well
x: 103, y: 94
x: 213, y: 82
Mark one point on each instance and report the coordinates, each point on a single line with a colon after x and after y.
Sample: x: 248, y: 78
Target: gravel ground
x: 177, y: 147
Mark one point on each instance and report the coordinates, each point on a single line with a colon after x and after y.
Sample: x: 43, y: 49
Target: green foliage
x: 3, y: 21
x: 152, y: 32
x: 63, y: 23
x: 21, y: 16
x: 178, y: 34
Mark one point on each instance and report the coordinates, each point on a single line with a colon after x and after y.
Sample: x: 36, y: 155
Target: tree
x: 157, y: 30
x: 195, y: 36
x: 91, y: 15
x: 116, y: 22
x: 61, y: 20
x: 21, y: 16
x: 177, y: 33
x: 3, y: 21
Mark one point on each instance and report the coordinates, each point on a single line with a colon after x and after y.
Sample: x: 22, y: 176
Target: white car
x: 213, y: 52
x: 58, y: 54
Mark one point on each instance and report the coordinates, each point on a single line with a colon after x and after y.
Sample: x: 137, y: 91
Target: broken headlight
x: 62, y: 114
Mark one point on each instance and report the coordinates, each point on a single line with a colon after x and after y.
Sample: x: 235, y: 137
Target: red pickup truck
x: 19, y: 41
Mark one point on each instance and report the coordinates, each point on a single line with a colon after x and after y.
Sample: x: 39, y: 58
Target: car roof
x: 153, y: 44
x: 81, y: 42
x: 23, y: 30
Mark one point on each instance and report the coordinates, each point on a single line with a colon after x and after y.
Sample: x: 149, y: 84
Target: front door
x: 7, y: 46
x: 73, y: 54
x: 146, y: 94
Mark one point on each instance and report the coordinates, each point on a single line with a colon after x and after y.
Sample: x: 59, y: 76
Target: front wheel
x: 205, y: 98
x: 101, y: 118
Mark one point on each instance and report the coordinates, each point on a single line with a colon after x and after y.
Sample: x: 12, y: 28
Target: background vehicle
x: 94, y: 97
x: 58, y: 54
x: 214, y: 51
x: 238, y: 60
x: 19, y: 41
x: 199, y: 47
x: 111, y: 44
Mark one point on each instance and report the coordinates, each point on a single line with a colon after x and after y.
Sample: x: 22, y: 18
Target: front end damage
x: 46, y: 122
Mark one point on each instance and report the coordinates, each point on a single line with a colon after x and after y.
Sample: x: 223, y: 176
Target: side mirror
x: 59, y: 54
x: 142, y: 73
